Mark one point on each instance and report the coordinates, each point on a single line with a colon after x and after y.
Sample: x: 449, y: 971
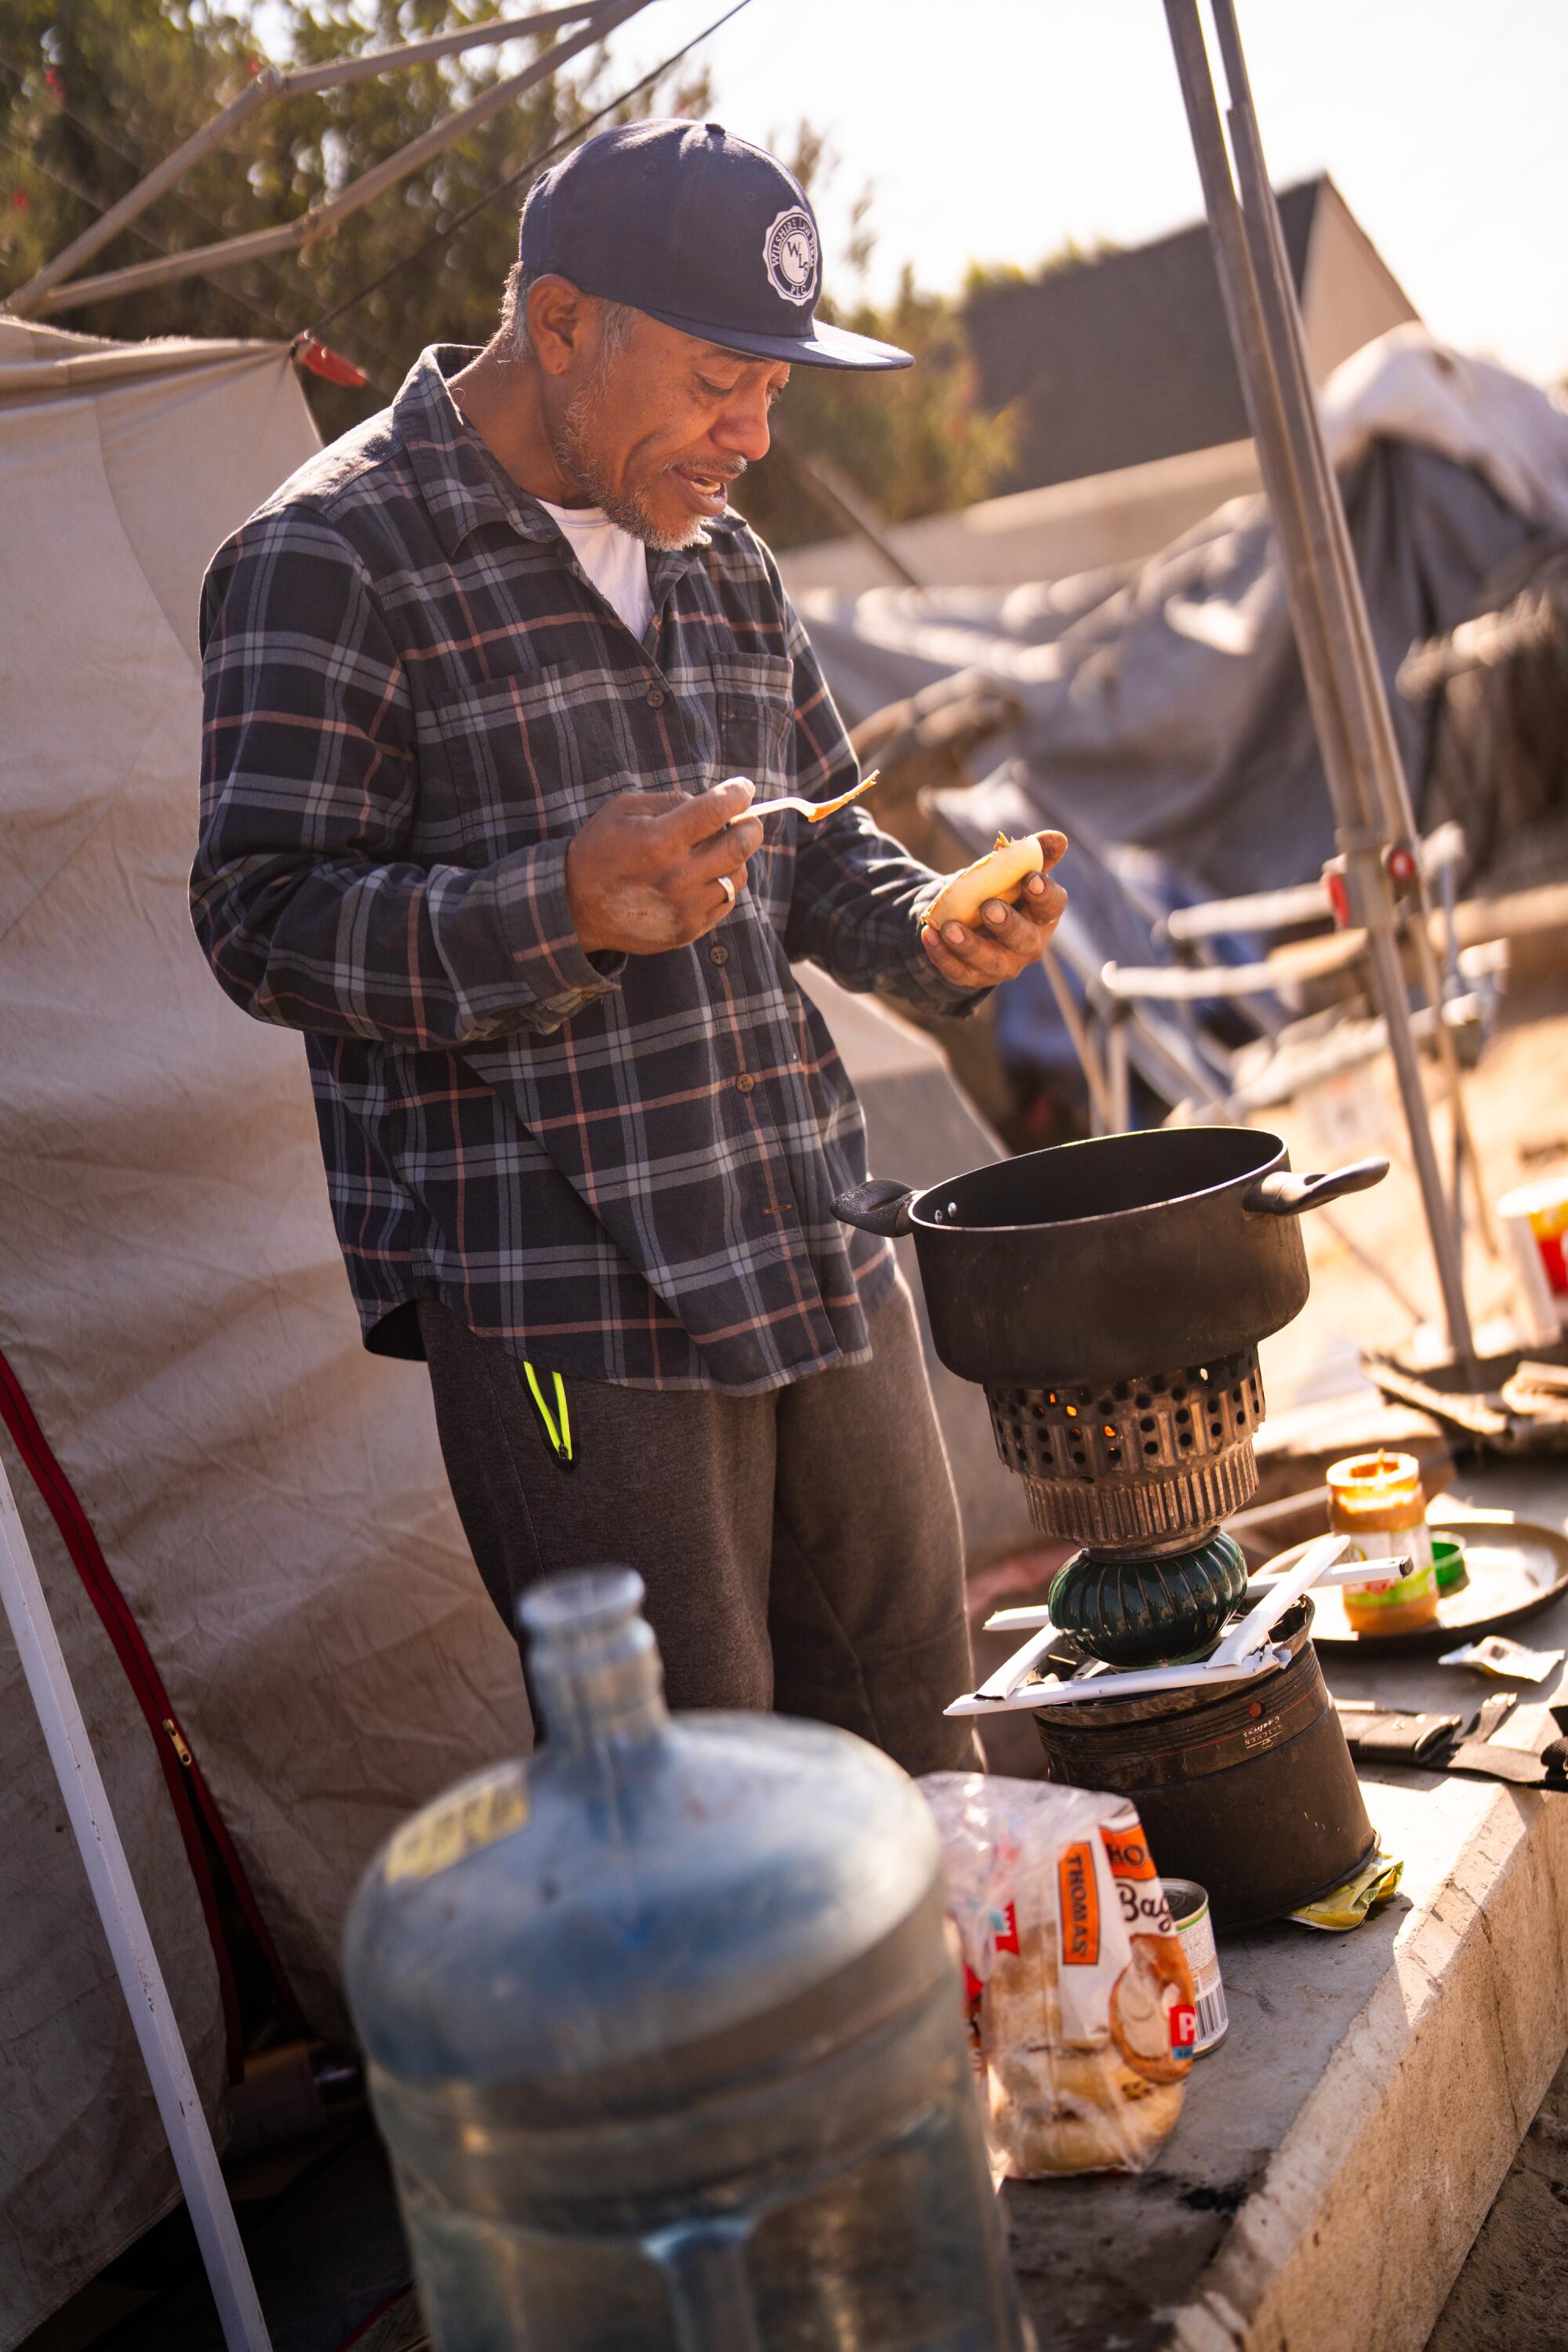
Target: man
x: 481, y: 680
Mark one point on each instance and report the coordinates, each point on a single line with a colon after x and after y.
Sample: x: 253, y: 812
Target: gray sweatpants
x: 801, y: 1549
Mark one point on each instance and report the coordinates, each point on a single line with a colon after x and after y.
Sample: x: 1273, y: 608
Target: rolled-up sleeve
x: 307, y: 903
x: 860, y: 898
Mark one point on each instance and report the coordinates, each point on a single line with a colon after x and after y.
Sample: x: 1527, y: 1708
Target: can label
x: 1393, y: 1593
x: 1535, y: 1219
x: 1190, y: 1910
x: 1550, y: 1227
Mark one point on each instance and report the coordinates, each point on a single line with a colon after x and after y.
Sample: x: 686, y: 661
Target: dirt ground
x: 1512, y: 2294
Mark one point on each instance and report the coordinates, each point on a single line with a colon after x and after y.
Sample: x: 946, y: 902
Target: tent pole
x: 1102, y: 1110
x: 129, y: 1942
x: 834, y: 491
x: 1265, y: 238
x: 25, y: 300
x: 1345, y: 685
x: 1287, y: 332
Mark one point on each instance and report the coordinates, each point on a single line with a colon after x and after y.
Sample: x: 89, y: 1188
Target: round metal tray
x: 1516, y: 1570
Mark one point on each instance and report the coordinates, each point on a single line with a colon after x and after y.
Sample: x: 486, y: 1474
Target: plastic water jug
x: 665, y: 2037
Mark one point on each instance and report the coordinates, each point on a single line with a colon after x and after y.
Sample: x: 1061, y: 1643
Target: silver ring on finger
x: 728, y: 887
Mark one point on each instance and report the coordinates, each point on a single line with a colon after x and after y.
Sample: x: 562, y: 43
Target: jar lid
x: 1373, y: 1478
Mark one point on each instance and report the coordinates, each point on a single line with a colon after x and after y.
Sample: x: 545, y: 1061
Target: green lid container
x: 1448, y: 1564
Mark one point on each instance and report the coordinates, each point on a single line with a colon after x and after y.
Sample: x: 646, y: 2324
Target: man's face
x: 655, y: 432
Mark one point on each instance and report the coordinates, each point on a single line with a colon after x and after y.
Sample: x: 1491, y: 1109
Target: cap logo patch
x: 790, y: 251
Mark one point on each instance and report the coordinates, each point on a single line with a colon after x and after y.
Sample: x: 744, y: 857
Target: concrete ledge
x: 1338, y: 2153
x: 1370, y: 2204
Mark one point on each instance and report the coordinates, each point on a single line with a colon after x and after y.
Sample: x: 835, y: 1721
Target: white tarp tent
x: 270, y: 1500
x: 171, y: 1301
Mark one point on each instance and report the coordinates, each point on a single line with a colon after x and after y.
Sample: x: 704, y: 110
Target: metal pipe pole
x: 832, y: 490
x: 125, y: 1922
x: 27, y: 299
x: 199, y: 261
x: 1101, y: 1109
x: 1326, y: 518
x: 1238, y: 294
x: 1329, y: 613
x: 269, y: 84
x: 303, y: 81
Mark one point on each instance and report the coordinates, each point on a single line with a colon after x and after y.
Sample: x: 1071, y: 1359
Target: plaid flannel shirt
x: 622, y: 1166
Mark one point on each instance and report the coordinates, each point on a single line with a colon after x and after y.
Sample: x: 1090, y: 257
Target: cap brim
x: 820, y: 346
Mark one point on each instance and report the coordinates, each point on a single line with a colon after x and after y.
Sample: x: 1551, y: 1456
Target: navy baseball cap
x: 703, y: 231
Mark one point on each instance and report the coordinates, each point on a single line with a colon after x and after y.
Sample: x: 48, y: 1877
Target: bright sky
x: 995, y: 129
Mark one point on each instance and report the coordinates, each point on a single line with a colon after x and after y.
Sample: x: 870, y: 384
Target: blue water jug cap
x: 582, y: 1601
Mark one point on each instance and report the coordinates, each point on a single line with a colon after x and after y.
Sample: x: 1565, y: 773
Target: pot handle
x: 880, y: 1207
x: 1290, y: 1195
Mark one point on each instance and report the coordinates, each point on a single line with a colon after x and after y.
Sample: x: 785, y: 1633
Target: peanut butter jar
x: 1379, y: 1502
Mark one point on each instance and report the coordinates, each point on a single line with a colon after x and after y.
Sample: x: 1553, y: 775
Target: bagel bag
x: 1080, y: 1996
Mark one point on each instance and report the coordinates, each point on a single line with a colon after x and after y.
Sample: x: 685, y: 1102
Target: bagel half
x: 1055, y: 2111
x: 1153, y: 1981
x: 1000, y: 874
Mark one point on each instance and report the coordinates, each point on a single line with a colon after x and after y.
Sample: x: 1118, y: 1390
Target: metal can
x: 1189, y: 1905
x: 1535, y: 1219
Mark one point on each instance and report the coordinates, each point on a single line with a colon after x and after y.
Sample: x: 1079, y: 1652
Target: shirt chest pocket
x: 516, y: 759
x: 755, y: 706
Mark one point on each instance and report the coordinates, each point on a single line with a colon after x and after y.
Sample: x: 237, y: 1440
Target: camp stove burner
x: 1150, y: 1612
x: 1138, y: 1466
x: 1092, y: 1261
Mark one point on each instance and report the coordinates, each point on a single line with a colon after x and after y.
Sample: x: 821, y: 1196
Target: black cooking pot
x: 1101, y: 1261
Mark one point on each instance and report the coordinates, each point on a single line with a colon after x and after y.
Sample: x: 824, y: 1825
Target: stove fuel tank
x: 1249, y: 1789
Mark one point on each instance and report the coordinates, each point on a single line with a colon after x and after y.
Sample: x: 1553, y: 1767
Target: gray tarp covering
x: 1165, y: 707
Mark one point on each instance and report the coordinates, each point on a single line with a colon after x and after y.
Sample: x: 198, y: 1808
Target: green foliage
x: 94, y: 92
x: 910, y: 444
x: 1071, y: 254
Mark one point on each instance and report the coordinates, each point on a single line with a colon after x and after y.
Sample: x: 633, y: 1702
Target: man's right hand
x: 647, y: 870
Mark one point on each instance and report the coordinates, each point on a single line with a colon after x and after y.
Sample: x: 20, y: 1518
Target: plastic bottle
x: 665, y: 2037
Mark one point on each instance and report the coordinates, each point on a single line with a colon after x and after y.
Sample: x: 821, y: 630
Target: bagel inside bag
x: 1080, y: 1996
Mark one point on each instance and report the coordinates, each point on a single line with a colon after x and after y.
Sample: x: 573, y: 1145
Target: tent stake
x: 125, y: 1925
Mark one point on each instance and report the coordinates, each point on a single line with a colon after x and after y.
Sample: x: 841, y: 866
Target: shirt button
x: 656, y: 697
x: 718, y: 955
x: 744, y: 1083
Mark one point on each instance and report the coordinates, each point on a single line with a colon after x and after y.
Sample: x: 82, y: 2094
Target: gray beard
x: 571, y: 450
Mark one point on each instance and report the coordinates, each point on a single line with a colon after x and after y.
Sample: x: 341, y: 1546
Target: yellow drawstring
x: 559, y: 1432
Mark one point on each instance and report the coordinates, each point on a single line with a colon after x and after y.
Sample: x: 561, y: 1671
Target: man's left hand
x: 1006, y: 939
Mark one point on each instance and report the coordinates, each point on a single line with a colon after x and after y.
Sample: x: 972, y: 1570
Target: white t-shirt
x: 614, y: 560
